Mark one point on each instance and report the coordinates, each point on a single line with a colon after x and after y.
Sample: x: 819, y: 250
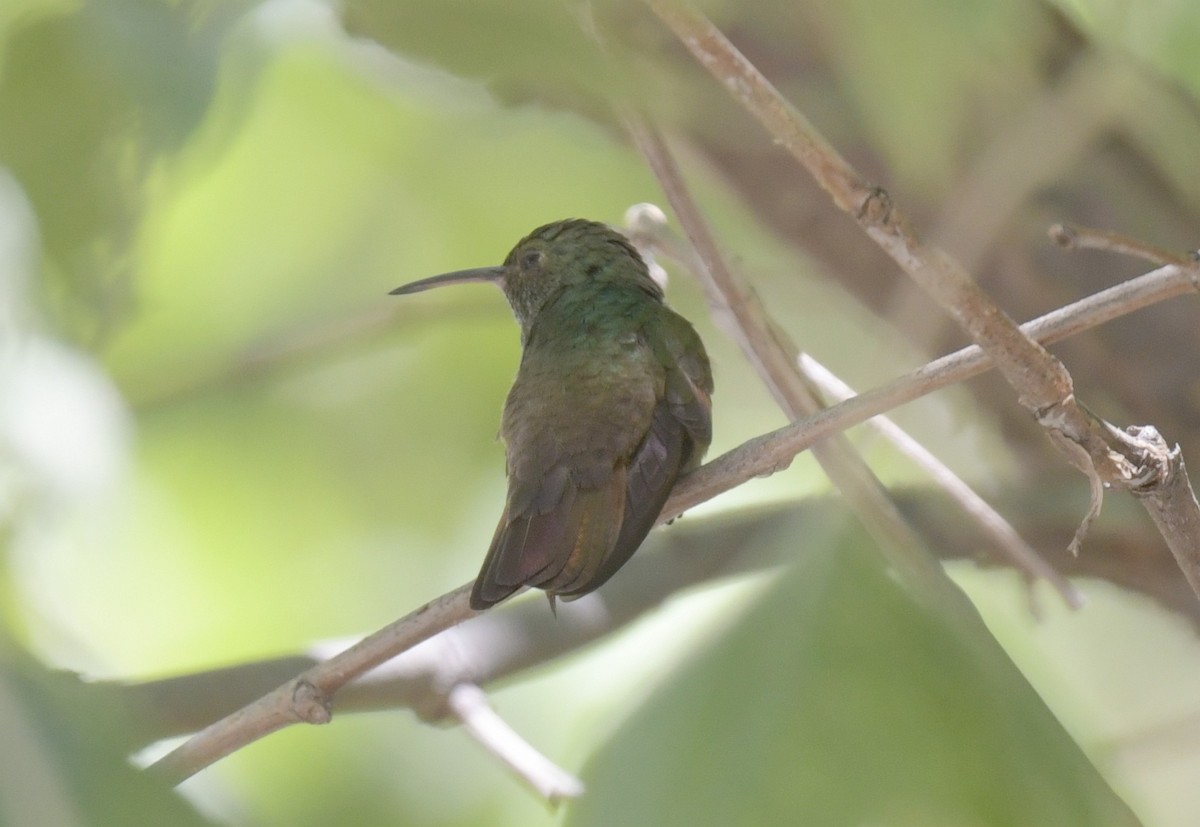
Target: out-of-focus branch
x: 308, y: 698
x: 521, y: 635
x: 469, y: 706
x: 1001, y: 532
x: 1107, y: 456
x: 768, y: 347
x: 1077, y: 237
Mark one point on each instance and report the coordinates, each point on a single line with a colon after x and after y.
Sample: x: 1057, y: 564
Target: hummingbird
x: 611, y: 403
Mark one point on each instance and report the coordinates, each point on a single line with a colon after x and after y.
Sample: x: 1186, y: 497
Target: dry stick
x: 309, y: 696
x: 1140, y: 462
x: 648, y: 226
x: 1171, y: 503
x: 769, y: 349
x: 1040, y: 379
x: 469, y: 706
x: 976, y: 507
x: 773, y: 451
x: 1078, y: 237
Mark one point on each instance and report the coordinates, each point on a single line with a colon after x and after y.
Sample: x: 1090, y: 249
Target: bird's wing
x: 679, y: 433
x: 569, y: 430
x: 645, y: 482
x: 554, y: 550
x: 688, y: 384
x: 584, y: 490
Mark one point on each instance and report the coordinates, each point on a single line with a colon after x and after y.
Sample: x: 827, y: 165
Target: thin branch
x: 1172, y: 505
x: 773, y: 451
x: 768, y: 347
x: 1040, y: 378
x: 1104, y: 454
x: 1003, y: 535
x: 502, y: 642
x: 469, y: 706
x: 309, y: 696
x: 1078, y: 237
x: 520, y: 636
x: 647, y: 225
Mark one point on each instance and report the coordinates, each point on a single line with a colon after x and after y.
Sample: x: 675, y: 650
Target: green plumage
x: 610, y: 405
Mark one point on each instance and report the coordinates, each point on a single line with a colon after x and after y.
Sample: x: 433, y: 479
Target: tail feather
x: 557, y: 550
x: 577, y: 544
x: 648, y: 482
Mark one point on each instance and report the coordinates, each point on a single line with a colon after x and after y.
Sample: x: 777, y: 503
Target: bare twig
x: 647, y: 226
x: 308, y: 697
x: 520, y: 636
x: 1078, y: 237
x: 771, y: 351
x: 502, y: 642
x: 1040, y: 379
x: 773, y: 451
x: 1098, y: 450
x: 1172, y: 505
x: 993, y: 524
x: 469, y: 705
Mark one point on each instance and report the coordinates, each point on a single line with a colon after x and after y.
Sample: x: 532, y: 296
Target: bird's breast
x: 586, y: 403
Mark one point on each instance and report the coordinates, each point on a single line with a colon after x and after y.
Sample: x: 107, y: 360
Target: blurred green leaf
x: 1162, y: 33
x: 63, y: 762
x: 836, y: 700
x: 524, y: 47
x: 913, y: 71
x: 89, y: 100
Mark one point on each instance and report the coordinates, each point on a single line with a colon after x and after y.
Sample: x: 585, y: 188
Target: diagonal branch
x: 768, y: 347
x: 1041, y: 380
x: 308, y: 698
x: 1107, y: 456
x: 1001, y: 532
x: 469, y: 705
x: 647, y: 225
x: 773, y: 451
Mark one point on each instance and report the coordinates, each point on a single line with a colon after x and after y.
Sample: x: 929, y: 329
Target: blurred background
x: 222, y: 441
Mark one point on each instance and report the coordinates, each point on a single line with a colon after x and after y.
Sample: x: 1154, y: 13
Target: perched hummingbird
x: 610, y: 405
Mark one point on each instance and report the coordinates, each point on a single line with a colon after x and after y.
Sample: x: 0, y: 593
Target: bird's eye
x: 531, y: 259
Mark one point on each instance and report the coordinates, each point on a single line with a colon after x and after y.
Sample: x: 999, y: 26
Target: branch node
x: 1060, y: 417
x: 1157, y: 462
x: 1074, y: 237
x: 1064, y: 236
x: 876, y: 208
x: 310, y: 704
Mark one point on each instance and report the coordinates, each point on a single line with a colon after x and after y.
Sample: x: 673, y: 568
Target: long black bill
x: 492, y: 274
